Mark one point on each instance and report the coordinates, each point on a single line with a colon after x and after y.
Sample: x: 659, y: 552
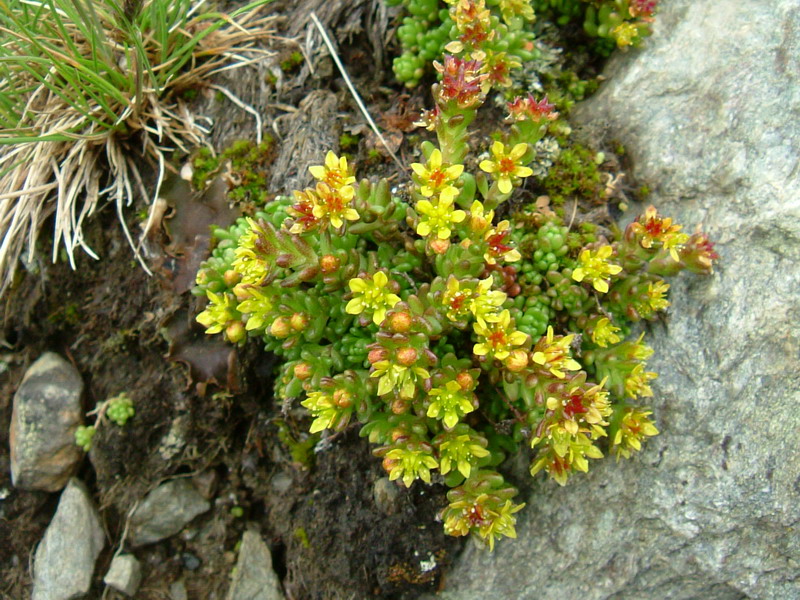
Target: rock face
x: 47, y: 411
x: 165, y: 511
x: 254, y: 578
x: 708, y: 111
x: 65, y: 557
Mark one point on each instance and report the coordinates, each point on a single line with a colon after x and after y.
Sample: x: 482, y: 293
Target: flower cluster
x: 448, y: 338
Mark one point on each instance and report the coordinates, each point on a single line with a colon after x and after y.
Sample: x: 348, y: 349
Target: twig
x: 245, y: 107
x: 352, y: 89
x: 572, y: 218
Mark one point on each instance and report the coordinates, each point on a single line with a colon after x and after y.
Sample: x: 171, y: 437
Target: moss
x: 575, y: 173
x: 248, y: 163
x: 291, y: 62
x: 347, y: 141
x: 302, y: 452
x: 302, y: 537
x: 69, y: 315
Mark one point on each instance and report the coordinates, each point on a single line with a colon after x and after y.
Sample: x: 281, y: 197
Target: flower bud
x: 398, y: 434
x: 235, y: 332
x: 231, y: 277
x: 407, y: 356
x: 240, y: 291
x: 298, y: 321
x: 465, y: 380
x: 439, y: 246
x: 376, y: 355
x: 343, y: 398
x: 280, y: 327
x: 400, y: 322
x: 303, y: 371
x: 517, y: 361
x: 329, y: 263
x: 399, y: 406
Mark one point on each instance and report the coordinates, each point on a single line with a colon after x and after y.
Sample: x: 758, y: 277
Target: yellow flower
x: 554, y: 355
x: 595, y: 268
x: 565, y: 452
x: 498, y: 66
x: 249, y: 262
x: 437, y: 180
x: 499, y: 338
x: 371, y: 295
x: 625, y: 34
x: 500, y: 523
x: 449, y: 404
x: 651, y: 228
x: 516, y: 8
x: 456, y: 301
x: 303, y: 212
x: 498, y: 246
x: 399, y: 378
x: 634, y: 427
x: 479, y: 221
x: 334, y: 173
x: 333, y: 204
x: 486, y: 302
x: 462, y: 451
x: 330, y: 411
x: 412, y: 462
x: 637, y: 384
x: 605, y: 333
x: 506, y: 166
x: 257, y: 307
x: 220, y: 311
x: 655, y: 299
x: 438, y: 218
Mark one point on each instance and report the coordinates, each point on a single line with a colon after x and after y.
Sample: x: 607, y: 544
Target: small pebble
x: 190, y: 561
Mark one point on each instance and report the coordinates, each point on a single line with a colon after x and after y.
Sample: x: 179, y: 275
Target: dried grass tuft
x: 91, y: 91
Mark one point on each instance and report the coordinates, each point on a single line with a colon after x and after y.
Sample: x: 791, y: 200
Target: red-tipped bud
x: 407, y: 356
x: 343, y: 398
x: 517, y: 361
x: 329, y: 263
x: 439, y: 246
x: 399, y: 406
x: 376, y: 355
x: 303, y: 371
x: 401, y: 322
x: 280, y: 328
x: 398, y: 434
x: 465, y: 380
x: 298, y: 321
x: 231, y: 278
x: 240, y: 291
x: 388, y: 464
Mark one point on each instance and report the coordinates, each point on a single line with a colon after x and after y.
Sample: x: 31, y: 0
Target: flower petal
x: 354, y: 307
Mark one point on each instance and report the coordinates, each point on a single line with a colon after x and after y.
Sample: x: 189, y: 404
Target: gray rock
x: 165, y: 511
x: 65, y: 558
x: 386, y: 495
x: 124, y: 574
x: 177, y: 591
x: 708, y: 111
x: 47, y: 411
x: 253, y: 578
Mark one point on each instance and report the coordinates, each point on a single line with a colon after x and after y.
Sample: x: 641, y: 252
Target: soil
x: 203, y: 409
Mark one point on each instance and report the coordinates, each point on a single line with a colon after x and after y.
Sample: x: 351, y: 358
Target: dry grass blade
x: 79, y: 101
